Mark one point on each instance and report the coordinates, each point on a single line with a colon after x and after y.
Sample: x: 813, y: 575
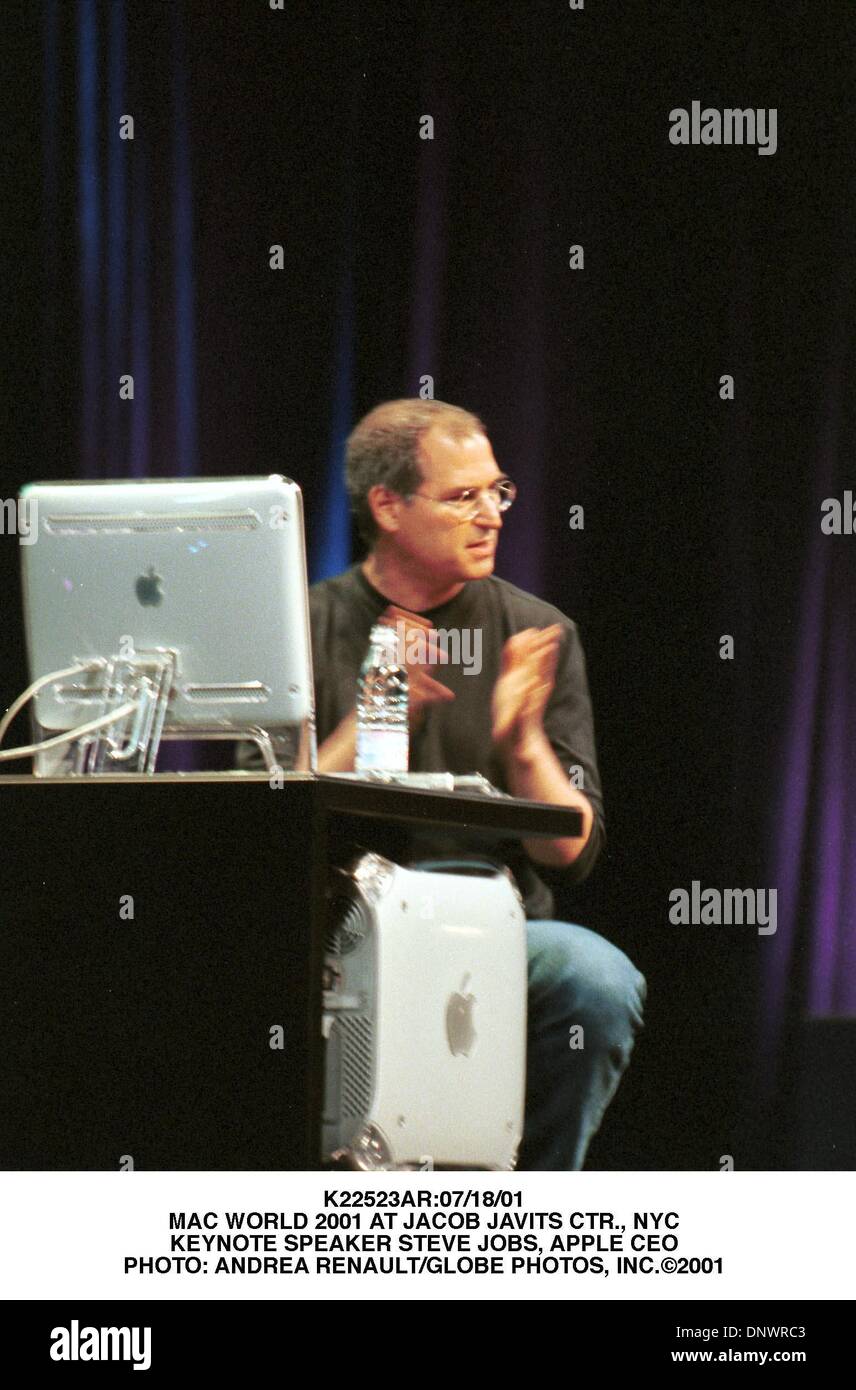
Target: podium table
x: 161, y: 951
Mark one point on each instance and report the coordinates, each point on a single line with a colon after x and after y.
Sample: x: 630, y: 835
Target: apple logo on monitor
x: 148, y: 588
x: 459, y: 1021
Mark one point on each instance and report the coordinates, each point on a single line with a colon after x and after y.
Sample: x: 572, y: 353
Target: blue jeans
x: 577, y: 981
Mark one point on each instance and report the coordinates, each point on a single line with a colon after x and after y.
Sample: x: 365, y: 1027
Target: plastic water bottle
x: 382, y: 706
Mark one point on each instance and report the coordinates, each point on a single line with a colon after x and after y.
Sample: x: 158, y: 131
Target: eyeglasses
x: 467, y: 503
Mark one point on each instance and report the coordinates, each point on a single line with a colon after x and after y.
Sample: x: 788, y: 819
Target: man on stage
x: 429, y: 498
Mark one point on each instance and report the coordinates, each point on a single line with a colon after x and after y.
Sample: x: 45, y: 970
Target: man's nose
x: 489, y: 510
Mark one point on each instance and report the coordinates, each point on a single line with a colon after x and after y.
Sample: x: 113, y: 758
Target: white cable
x: 36, y: 686
x: 92, y: 727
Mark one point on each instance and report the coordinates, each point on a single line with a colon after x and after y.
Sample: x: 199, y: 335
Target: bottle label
x: 382, y: 750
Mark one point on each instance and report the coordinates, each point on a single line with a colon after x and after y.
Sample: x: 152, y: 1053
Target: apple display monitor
x: 211, y: 571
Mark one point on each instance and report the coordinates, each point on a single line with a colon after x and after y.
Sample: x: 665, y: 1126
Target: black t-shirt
x: 456, y: 736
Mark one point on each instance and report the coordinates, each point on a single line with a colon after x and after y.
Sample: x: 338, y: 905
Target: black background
x: 196, y: 1337
x: 552, y: 130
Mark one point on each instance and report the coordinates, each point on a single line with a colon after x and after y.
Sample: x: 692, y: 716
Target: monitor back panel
x: 211, y: 569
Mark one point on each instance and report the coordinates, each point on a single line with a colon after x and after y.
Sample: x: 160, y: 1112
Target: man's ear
x: 384, y: 506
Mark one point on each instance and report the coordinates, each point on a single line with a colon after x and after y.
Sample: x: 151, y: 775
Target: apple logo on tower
x: 459, y: 1021
x: 148, y: 588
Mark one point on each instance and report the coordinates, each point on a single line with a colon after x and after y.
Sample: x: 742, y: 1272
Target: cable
x: 36, y: 686
x: 92, y: 727
x: 31, y: 749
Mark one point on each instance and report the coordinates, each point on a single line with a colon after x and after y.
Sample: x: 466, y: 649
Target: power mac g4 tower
x: 424, y: 1016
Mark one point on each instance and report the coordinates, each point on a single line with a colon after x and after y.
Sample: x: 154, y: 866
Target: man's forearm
x: 535, y: 774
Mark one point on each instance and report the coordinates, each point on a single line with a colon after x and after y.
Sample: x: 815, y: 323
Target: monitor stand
x: 136, y: 689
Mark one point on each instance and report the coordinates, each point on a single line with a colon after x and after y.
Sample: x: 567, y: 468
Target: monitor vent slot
x: 78, y: 694
x: 86, y: 524
x: 245, y: 693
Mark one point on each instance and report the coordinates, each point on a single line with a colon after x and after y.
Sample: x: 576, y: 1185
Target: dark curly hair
x: 384, y: 448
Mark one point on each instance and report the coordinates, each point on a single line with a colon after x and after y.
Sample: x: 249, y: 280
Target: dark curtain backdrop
x: 448, y: 258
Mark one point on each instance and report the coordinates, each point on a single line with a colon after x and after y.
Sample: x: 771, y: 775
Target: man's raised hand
x: 526, y: 681
x: 419, y: 633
